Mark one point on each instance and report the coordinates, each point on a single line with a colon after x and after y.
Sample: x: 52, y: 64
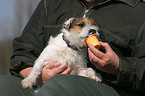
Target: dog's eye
x: 81, y: 25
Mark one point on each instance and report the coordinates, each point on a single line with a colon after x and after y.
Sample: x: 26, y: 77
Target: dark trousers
x: 60, y: 85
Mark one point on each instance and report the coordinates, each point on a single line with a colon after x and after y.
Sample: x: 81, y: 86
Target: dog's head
x: 77, y: 29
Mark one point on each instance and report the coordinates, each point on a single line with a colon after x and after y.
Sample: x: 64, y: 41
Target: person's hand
x: 54, y: 68
x: 107, y: 62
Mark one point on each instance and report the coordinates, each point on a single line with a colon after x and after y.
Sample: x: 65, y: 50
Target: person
x: 120, y: 62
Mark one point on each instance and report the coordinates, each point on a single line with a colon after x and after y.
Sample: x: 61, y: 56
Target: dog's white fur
x: 57, y: 50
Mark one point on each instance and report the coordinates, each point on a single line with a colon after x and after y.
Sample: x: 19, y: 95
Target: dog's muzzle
x: 93, y: 31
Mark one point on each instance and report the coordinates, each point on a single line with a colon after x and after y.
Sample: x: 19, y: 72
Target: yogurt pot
x: 93, y: 40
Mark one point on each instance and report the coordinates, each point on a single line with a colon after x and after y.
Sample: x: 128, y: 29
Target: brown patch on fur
x: 75, y: 25
x: 79, y: 23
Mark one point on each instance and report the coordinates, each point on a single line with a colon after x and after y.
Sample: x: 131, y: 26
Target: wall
x: 13, y: 18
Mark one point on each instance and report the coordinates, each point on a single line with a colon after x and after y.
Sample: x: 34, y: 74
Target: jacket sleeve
x: 132, y: 69
x: 29, y: 45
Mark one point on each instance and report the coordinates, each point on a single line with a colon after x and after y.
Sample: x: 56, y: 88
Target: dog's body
x: 73, y: 34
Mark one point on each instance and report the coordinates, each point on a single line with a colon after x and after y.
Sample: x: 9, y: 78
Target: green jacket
x: 122, y: 25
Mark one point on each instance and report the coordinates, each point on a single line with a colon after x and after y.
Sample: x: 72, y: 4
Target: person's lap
x: 72, y: 85
x: 66, y: 85
x: 60, y: 85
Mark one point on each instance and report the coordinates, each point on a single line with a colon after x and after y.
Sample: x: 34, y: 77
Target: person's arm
x: 25, y: 72
x: 30, y: 44
x: 130, y: 71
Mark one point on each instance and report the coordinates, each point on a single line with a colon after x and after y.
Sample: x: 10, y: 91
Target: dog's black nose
x: 92, y: 31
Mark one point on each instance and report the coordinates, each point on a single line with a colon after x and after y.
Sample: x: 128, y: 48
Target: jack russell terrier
x: 68, y: 47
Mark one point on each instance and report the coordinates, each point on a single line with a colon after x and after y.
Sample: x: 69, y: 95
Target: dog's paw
x: 98, y: 79
x: 26, y: 83
x: 90, y: 73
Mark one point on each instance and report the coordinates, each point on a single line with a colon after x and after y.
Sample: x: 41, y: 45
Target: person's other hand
x: 107, y: 62
x: 54, y: 68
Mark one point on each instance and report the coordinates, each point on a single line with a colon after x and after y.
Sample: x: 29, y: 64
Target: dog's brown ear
x: 67, y: 24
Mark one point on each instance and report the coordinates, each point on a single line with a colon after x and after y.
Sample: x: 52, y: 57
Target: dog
x: 68, y: 47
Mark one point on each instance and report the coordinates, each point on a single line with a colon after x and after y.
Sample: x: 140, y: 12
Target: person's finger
x: 93, y: 58
x: 67, y: 71
x: 106, y: 46
x: 96, y: 52
x: 52, y: 65
x: 60, y: 68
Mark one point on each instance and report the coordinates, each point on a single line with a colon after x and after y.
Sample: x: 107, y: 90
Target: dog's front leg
x: 36, y: 71
x: 90, y: 73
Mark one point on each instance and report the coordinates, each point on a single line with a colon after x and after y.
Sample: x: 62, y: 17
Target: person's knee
x: 9, y: 80
x: 11, y: 86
